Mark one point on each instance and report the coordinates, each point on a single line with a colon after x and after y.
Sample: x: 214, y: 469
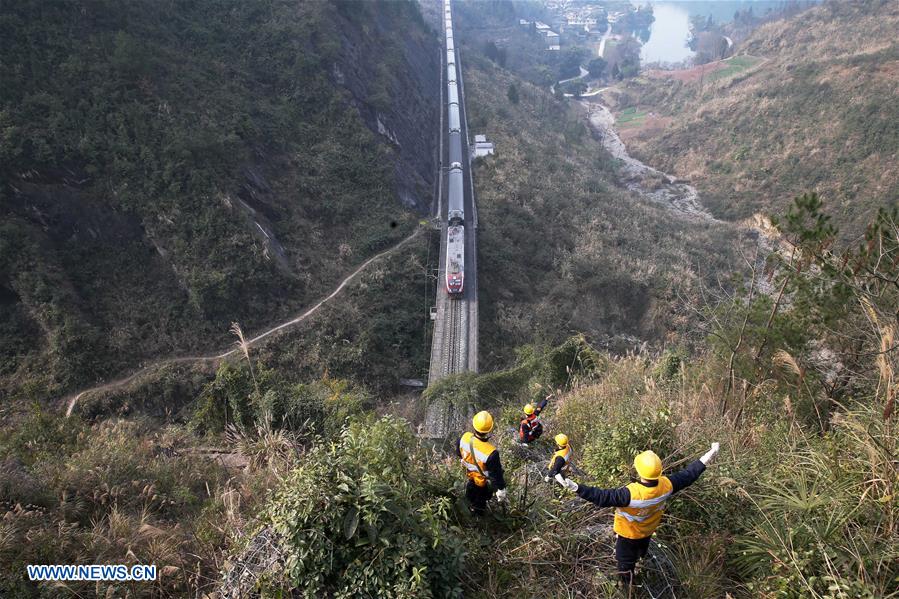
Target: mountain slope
x: 818, y: 114
x: 167, y: 170
x: 564, y: 248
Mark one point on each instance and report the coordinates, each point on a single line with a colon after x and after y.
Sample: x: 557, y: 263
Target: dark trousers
x: 477, y: 497
x: 531, y: 435
x: 627, y: 553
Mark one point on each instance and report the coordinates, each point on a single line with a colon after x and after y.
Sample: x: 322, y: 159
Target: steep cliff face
x: 393, y: 74
x: 167, y: 170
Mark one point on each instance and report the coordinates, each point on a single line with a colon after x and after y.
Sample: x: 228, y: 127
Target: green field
x: 630, y: 117
x: 735, y: 65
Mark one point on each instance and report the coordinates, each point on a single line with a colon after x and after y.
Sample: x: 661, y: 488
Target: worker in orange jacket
x: 640, y: 505
x: 531, y: 428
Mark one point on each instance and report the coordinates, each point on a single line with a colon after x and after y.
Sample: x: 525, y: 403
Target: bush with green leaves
x: 244, y: 399
x: 368, y: 514
x: 615, y: 441
x: 538, y: 372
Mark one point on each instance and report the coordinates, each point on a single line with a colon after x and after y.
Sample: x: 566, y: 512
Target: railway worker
x: 640, y: 505
x: 481, y: 461
x: 531, y: 428
x: 558, y: 463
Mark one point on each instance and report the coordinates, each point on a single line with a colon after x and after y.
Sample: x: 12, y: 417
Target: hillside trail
x: 73, y: 398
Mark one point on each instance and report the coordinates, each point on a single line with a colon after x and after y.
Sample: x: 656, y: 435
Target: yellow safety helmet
x: 482, y: 422
x: 562, y: 440
x: 529, y: 409
x: 648, y: 465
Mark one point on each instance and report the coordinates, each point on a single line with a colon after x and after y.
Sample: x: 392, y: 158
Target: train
x: 455, y: 226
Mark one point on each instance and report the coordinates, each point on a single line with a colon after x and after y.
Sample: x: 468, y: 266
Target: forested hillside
x: 564, y: 248
x: 168, y: 168
x: 817, y: 112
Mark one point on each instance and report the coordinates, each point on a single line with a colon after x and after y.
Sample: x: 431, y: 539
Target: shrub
x: 615, y: 440
x: 234, y: 398
x: 362, y: 517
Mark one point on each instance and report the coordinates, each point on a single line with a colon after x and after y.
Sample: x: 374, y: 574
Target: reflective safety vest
x: 531, y: 422
x: 475, y: 462
x: 565, y: 454
x: 643, y: 514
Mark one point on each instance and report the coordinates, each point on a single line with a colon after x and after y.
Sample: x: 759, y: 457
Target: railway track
x: 454, y: 344
x: 453, y: 333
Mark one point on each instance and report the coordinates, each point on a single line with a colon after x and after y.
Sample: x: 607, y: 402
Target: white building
x: 552, y: 40
x: 482, y: 147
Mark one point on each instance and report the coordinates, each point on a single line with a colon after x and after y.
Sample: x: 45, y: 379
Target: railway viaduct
x: 454, y: 346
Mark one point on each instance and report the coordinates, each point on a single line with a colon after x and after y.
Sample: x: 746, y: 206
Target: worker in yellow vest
x: 481, y: 461
x: 640, y: 505
x: 558, y: 463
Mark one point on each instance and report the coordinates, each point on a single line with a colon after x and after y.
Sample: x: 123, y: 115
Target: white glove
x: 501, y: 495
x: 546, y: 479
x: 567, y: 483
x: 705, y: 459
x: 525, y: 445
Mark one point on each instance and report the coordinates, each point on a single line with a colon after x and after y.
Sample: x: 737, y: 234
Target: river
x: 665, y: 40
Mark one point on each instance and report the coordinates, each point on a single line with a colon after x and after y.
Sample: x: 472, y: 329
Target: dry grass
x: 815, y: 116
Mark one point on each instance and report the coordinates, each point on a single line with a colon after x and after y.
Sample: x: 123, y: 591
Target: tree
x: 629, y: 68
x: 512, y: 93
x: 495, y: 53
x: 570, y: 62
x: 597, y: 67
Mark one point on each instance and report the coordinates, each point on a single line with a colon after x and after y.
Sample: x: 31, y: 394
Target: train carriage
x: 455, y: 259
x: 456, y: 200
x: 455, y: 125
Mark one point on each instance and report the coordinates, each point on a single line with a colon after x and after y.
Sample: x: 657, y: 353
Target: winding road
x: 72, y: 399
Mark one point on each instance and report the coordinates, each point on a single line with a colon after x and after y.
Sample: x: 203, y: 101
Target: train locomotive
x: 455, y: 229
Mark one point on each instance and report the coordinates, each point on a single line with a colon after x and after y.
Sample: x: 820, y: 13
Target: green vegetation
x: 292, y: 468
x: 735, y: 65
x: 396, y: 532
x: 313, y: 493
x: 597, y: 67
x: 164, y: 177
x: 536, y: 373
x: 373, y: 334
x: 512, y: 94
x: 114, y: 492
x: 630, y: 116
x: 523, y: 51
x: 599, y: 261
x: 819, y: 114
